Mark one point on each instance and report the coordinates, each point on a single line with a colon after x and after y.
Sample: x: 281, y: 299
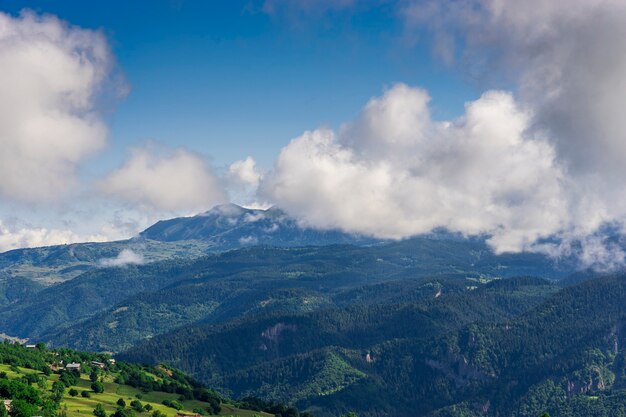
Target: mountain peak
x: 230, y: 226
x: 228, y: 209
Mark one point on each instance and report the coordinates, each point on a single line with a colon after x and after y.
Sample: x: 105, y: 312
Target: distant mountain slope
x: 300, y: 358
x: 53, y: 264
x: 230, y: 226
x: 120, y: 306
x: 570, y: 346
x: 464, y: 354
x: 220, y: 229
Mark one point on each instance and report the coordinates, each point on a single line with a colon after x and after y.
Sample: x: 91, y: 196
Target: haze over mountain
x: 222, y: 228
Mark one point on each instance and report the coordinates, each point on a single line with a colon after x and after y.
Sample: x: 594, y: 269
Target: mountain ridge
x: 230, y: 226
x: 222, y: 228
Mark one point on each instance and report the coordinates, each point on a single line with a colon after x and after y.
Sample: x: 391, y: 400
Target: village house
x: 97, y: 364
x: 31, y: 346
x: 73, y: 366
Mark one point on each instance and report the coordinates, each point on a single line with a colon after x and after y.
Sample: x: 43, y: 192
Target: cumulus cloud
x: 242, y: 180
x: 395, y: 172
x: 28, y: 237
x: 125, y: 257
x: 567, y: 62
x: 51, y: 73
x: 245, y: 172
x: 567, y: 59
x: 538, y: 168
x: 165, y: 180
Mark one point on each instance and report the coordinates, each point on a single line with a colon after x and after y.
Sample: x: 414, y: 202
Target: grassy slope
x: 82, y: 407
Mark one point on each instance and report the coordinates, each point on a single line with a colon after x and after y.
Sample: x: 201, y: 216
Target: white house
x: 73, y: 366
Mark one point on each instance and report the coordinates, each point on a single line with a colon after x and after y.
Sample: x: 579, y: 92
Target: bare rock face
x: 593, y: 382
x: 272, y: 335
x: 458, y: 368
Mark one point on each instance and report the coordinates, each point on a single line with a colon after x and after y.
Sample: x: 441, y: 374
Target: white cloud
x: 395, y: 173
x: 567, y: 60
x: 50, y: 74
x: 173, y: 181
x: 125, y: 257
x: 29, y: 237
x: 245, y: 172
x: 248, y: 240
x: 243, y: 179
x: 548, y: 163
x: 254, y: 217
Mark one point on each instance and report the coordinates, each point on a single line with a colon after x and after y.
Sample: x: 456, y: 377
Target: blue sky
x: 389, y: 118
x: 227, y: 80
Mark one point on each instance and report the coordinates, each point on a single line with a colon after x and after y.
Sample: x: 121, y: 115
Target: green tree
x: 49, y: 408
x: 121, y: 402
x: 93, y: 376
x: 85, y: 394
x: 21, y: 408
x: 173, y: 404
x: 69, y: 378
x: 99, y: 411
x: 73, y: 392
x: 123, y: 412
x: 97, y: 387
x: 3, y: 410
x: 30, y: 378
x: 136, y: 405
x: 58, y: 389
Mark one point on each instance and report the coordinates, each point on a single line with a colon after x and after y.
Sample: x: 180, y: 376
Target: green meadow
x: 79, y: 406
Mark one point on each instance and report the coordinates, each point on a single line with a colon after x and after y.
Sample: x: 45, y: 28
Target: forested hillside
x: 113, y: 308
x: 513, y: 347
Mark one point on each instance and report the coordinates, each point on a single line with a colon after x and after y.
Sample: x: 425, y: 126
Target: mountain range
x: 222, y: 228
x: 252, y: 303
